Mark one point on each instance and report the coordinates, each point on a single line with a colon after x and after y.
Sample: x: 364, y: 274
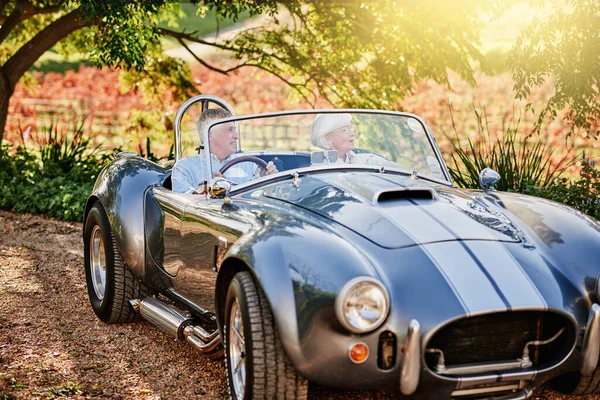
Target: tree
x: 564, y: 46
x: 351, y: 54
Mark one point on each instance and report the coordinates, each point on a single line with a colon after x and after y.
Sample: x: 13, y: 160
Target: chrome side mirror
x: 488, y: 178
x: 220, y: 187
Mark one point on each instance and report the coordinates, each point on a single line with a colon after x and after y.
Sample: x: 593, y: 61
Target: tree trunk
x: 5, y: 95
x: 23, y: 59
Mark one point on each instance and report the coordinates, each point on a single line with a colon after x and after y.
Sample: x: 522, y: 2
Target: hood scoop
x: 406, y: 193
x: 394, y: 216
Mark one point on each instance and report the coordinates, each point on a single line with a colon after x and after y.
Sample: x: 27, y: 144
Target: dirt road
x: 52, y: 345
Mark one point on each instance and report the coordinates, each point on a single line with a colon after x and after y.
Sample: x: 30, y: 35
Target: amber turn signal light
x: 359, y: 352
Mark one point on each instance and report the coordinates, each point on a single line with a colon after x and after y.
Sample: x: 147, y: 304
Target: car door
x: 163, y: 228
x: 208, y: 228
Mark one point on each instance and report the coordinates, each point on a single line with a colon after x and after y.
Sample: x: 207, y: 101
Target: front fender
x: 120, y: 188
x: 300, y: 268
x: 566, y: 239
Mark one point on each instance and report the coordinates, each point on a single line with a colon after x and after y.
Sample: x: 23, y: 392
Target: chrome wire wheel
x: 237, y: 350
x: 98, y: 262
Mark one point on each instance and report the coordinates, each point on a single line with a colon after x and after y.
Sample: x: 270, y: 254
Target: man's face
x: 223, y: 140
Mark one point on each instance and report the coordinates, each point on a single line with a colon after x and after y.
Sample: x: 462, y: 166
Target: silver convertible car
x: 331, y: 246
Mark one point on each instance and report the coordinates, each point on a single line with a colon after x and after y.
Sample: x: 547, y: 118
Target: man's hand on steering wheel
x: 265, y: 168
x: 269, y: 169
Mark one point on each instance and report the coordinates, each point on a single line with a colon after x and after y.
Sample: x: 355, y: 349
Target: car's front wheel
x: 110, y: 284
x: 257, y: 366
x: 576, y: 384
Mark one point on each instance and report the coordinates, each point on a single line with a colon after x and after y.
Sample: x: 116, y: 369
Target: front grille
x: 501, y: 337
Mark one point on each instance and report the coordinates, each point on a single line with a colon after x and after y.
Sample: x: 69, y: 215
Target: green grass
x: 209, y: 24
x: 51, y: 61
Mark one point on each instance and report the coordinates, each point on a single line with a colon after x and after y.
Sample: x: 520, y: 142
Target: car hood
x: 394, y: 211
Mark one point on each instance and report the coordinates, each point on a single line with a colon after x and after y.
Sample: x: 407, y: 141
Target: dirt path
x: 52, y: 344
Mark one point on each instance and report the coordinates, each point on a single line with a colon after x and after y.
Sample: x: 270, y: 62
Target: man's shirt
x: 189, y: 173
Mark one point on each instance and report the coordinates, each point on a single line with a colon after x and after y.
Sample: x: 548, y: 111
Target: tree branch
x: 201, y: 61
x: 181, y: 35
x: 14, y: 19
x: 296, y: 87
x: 24, y: 10
x: 27, y: 55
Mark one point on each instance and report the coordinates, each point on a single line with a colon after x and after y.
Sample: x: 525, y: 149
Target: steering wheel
x: 258, y: 161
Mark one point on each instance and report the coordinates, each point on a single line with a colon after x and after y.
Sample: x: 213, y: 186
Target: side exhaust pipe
x: 172, y: 321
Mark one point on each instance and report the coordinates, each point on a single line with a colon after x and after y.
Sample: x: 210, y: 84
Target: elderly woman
x: 336, y: 132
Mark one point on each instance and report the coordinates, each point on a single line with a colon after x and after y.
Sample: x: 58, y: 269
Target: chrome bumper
x: 591, y: 341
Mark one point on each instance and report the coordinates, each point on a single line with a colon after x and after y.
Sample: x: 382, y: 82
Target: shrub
x: 56, y: 175
x: 521, y: 162
x: 52, y: 177
x: 581, y: 193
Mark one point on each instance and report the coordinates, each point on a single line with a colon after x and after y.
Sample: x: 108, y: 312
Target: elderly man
x: 189, y: 173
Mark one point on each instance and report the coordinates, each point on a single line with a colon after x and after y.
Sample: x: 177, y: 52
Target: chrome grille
x: 501, y: 337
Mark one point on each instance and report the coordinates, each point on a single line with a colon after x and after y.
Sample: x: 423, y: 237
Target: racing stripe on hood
x: 470, y: 282
x: 503, y: 272
x: 415, y: 214
x: 477, y: 291
x: 508, y: 274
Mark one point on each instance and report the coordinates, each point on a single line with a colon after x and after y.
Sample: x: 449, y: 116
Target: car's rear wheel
x: 257, y: 366
x: 110, y: 284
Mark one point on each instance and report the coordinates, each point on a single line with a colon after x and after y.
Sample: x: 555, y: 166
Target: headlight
x: 362, y: 304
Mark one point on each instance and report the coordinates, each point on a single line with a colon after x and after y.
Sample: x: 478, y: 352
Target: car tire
x: 574, y: 383
x: 110, y: 284
x: 257, y: 366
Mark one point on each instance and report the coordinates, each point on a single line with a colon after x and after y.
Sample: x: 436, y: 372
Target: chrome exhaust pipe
x: 170, y: 320
x: 166, y: 318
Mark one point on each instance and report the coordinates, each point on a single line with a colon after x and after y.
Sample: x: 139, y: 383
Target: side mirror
x: 488, y: 178
x: 220, y: 187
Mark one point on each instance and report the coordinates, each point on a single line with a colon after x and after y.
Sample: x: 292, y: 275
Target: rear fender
x: 120, y: 188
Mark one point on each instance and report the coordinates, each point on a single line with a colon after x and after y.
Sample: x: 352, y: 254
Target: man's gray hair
x: 207, y: 117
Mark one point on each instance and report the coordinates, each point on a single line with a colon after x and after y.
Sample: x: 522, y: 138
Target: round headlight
x: 362, y: 304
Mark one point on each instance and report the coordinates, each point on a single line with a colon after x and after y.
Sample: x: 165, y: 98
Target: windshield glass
x: 239, y: 148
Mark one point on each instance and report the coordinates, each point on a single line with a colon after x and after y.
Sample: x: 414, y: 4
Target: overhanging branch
x: 13, y: 19
x: 28, y: 54
x: 191, y: 38
x: 182, y: 37
x: 23, y: 11
x: 207, y: 65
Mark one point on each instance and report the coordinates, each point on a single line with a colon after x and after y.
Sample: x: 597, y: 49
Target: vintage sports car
x: 331, y: 246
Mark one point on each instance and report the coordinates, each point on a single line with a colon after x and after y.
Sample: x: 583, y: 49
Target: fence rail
x: 35, y: 113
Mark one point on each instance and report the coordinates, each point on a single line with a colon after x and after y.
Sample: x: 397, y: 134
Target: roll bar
x: 205, y: 99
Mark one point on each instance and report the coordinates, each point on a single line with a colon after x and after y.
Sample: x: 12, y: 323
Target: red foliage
x: 95, y: 93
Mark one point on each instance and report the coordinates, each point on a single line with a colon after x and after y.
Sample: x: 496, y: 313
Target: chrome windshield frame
x: 243, y: 186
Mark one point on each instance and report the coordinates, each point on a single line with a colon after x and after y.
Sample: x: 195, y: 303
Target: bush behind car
x: 55, y: 174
